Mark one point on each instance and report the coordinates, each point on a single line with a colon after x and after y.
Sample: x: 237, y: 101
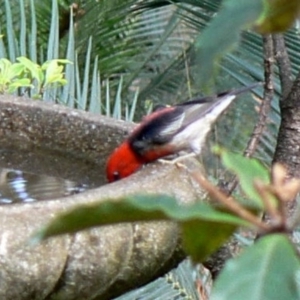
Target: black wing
x: 158, y: 129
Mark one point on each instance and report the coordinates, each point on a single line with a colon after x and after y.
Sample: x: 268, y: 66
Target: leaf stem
x: 230, y: 203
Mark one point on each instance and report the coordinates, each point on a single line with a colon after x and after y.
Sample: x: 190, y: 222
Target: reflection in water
x: 22, y: 187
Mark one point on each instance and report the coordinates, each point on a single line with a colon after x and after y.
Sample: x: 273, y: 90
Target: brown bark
x: 268, y: 45
x: 288, y: 141
x: 284, y: 64
x: 287, y: 150
x: 267, y: 98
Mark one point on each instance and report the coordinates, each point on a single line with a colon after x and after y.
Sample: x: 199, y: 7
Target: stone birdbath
x: 99, y: 263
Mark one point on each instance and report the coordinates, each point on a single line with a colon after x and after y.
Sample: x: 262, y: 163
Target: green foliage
x: 12, y: 77
x: 248, y: 171
x: 268, y: 270
x: 208, y: 50
x: 265, y: 16
x: 178, y: 284
x: 111, y: 36
x: 79, y: 85
x: 137, y: 48
x: 27, y: 74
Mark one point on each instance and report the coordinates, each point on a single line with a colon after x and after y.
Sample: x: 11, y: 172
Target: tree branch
x: 284, y: 64
x: 267, y: 98
x: 287, y: 150
x: 265, y: 104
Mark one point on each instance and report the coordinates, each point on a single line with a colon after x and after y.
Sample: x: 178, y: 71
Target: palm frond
x: 182, y: 283
x: 241, y: 67
x: 83, y: 89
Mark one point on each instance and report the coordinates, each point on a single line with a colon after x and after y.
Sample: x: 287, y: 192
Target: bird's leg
x: 176, y: 161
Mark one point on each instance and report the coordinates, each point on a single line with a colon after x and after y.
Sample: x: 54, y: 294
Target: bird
x: 169, y: 130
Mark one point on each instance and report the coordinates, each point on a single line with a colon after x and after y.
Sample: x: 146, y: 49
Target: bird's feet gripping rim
x: 177, y: 161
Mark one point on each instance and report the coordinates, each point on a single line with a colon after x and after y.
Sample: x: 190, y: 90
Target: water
x: 28, y: 176
x: 17, y: 186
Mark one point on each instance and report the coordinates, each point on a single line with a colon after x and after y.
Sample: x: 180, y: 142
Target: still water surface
x: 28, y: 176
x: 17, y: 186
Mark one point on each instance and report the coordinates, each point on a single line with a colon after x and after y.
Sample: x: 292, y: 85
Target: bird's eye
x: 116, y: 176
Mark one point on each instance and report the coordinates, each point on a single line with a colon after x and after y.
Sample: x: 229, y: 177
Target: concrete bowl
x: 99, y: 263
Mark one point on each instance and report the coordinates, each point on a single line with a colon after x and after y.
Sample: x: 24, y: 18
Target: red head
x: 122, y: 163
x: 125, y: 160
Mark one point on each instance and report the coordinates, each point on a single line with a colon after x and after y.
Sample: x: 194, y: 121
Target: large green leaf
x: 204, y: 228
x: 202, y: 238
x: 269, y: 270
x: 225, y: 30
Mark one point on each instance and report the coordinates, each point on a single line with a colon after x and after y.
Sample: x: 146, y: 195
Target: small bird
x: 169, y: 130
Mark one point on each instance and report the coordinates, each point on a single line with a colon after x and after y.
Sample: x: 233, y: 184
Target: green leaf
x: 54, y: 78
x: 278, y: 16
x: 248, y: 170
x: 54, y: 63
x: 223, y: 33
x: 54, y: 71
x: 265, y: 271
x: 16, y: 70
x: 31, y: 66
x: 200, y: 239
x: 198, y: 221
x: 22, y: 82
x: 5, y: 66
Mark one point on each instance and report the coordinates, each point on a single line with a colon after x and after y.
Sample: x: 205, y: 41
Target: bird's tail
x: 234, y: 92
x: 241, y: 90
